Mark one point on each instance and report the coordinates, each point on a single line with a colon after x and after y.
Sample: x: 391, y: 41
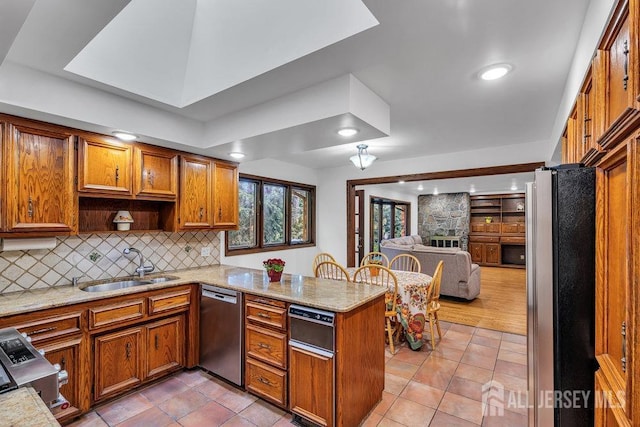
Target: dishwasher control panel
x: 311, y: 314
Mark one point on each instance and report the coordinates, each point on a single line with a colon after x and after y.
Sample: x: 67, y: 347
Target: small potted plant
x: 374, y: 261
x: 274, y: 267
x: 488, y: 219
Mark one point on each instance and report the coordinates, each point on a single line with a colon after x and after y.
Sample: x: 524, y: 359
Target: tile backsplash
x: 99, y: 256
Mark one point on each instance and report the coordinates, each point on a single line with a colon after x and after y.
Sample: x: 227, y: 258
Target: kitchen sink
x: 121, y: 284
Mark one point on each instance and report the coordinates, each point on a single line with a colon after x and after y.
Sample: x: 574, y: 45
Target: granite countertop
x: 23, y: 407
x: 331, y: 295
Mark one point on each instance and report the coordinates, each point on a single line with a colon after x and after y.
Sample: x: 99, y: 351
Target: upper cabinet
x: 38, y: 168
x: 225, y: 195
x: 104, y: 166
x: 195, y: 193
x: 155, y: 173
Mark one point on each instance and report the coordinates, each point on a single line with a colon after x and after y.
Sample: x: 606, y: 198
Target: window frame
x: 260, y: 246
x: 381, y: 202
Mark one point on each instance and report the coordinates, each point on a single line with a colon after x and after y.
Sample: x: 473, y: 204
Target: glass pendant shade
x: 363, y: 159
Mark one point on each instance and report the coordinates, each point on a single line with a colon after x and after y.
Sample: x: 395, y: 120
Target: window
x: 389, y: 218
x: 273, y: 215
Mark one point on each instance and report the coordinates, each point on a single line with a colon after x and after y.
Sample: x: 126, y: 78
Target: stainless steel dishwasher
x: 221, y: 333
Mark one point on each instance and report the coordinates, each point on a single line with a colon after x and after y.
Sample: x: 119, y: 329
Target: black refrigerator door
x: 574, y: 292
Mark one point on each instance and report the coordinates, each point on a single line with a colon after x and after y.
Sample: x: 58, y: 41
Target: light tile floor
x: 441, y: 387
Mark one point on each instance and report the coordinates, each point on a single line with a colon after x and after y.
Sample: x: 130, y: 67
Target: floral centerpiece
x: 274, y: 267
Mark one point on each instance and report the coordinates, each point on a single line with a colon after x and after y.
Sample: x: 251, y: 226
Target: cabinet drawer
x: 513, y: 240
x: 54, y: 327
x: 119, y: 312
x: 484, y: 239
x: 493, y: 227
x: 267, y: 315
x: 267, y: 346
x: 169, y: 301
x: 510, y: 227
x: 267, y: 301
x: 267, y: 382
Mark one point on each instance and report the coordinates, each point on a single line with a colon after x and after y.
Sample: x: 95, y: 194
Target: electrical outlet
x: 205, y: 251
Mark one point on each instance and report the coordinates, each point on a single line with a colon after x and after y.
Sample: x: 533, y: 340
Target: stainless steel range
x: 26, y: 366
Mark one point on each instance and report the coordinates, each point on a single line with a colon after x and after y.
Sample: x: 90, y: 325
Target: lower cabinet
x: 67, y: 354
x: 126, y: 358
x: 118, y: 361
x: 311, y: 387
x: 267, y: 382
x: 485, y: 253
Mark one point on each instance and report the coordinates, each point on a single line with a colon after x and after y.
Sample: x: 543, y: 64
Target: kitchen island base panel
x: 360, y: 361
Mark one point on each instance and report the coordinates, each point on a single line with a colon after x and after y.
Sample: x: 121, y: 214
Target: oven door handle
x: 311, y: 349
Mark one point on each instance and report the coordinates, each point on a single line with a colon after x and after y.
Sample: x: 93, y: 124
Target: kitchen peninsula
x: 131, y: 323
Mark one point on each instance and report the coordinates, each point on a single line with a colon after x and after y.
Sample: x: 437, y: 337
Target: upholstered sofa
x: 460, y: 277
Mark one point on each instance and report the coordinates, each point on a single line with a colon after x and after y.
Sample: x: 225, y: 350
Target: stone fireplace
x: 444, y: 215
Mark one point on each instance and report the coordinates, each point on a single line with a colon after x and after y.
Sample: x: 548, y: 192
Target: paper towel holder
x: 27, y: 244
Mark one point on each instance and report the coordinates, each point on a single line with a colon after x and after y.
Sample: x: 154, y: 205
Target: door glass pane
x: 274, y: 214
x: 400, y: 221
x: 375, y: 227
x: 300, y: 200
x: 386, y: 222
x: 246, y: 235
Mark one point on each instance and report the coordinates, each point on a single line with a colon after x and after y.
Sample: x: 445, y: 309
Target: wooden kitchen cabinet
x: 155, y: 173
x: 311, y: 386
x: 266, y: 364
x: 485, y: 253
x: 225, y: 195
x: 38, y: 164
x: 67, y: 353
x: 165, y: 346
x: 617, y: 272
x: 104, y: 166
x: 196, y: 192
x: 118, y: 363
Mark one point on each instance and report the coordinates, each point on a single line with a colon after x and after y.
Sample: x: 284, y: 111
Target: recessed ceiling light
x: 514, y: 187
x: 347, y: 132
x: 472, y: 189
x: 435, y: 191
x: 494, y: 72
x: 236, y: 155
x: 125, y: 136
x: 420, y: 187
x: 400, y: 182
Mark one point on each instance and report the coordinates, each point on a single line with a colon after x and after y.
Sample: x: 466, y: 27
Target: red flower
x: 275, y: 264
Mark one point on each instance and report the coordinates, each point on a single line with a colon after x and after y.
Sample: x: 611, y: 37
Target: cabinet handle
x: 201, y: 213
x: 263, y: 345
x: 156, y: 341
x: 150, y: 177
x: 624, y: 346
x: 30, y: 208
x: 220, y: 213
x: 63, y: 363
x: 625, y: 79
x: 117, y: 174
x: 264, y: 381
x: 261, y: 301
x: 41, y: 331
x: 128, y: 350
x: 264, y: 315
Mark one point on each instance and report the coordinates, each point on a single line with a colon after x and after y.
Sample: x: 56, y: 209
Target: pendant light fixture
x: 363, y: 159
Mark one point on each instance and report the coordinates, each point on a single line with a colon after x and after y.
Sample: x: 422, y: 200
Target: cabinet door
x: 311, y: 385
x: 195, y: 193
x: 39, y: 170
x: 477, y: 227
x: 225, y: 195
x: 492, y: 253
x: 617, y: 269
x: 155, y: 173
x: 493, y: 227
x: 165, y: 345
x: 118, y: 362
x: 67, y: 354
x: 477, y: 252
x: 104, y: 166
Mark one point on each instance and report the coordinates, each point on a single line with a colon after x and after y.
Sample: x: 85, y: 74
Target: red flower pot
x: 274, y: 276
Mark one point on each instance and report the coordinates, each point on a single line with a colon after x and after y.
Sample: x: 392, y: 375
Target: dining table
x: 411, y: 303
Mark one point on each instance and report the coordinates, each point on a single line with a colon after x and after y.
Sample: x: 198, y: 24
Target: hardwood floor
x: 501, y: 305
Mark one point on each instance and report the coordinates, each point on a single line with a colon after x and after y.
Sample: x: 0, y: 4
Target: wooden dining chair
x: 433, y: 303
x: 375, y: 256
x: 332, y: 270
x: 322, y: 256
x: 381, y: 276
x: 405, y: 262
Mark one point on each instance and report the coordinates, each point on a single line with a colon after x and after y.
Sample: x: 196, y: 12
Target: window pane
x: 274, y: 214
x: 246, y: 236
x: 400, y: 221
x: 375, y: 238
x: 386, y: 222
x: 300, y: 208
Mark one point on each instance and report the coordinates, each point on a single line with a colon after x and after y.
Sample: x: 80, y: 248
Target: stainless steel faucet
x: 141, y: 268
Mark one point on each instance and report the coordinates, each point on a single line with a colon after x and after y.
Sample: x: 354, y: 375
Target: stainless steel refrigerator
x: 560, y: 261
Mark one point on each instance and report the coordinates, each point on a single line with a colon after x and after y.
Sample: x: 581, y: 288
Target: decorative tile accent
x: 99, y: 256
